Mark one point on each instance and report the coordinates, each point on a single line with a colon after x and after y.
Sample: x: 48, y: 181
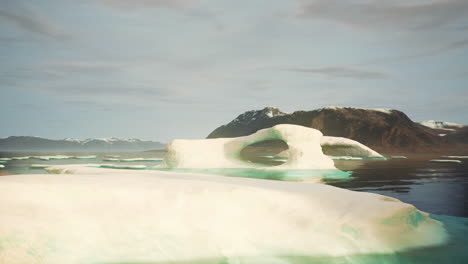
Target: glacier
x: 304, y: 150
x: 94, y: 215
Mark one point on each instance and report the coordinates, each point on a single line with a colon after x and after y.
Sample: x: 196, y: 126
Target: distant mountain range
x: 382, y: 129
x: 25, y: 143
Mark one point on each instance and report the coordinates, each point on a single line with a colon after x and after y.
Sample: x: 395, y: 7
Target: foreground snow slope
x: 107, y: 215
x: 304, y: 149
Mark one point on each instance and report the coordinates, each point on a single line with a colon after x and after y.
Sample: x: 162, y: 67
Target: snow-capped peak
x: 267, y: 112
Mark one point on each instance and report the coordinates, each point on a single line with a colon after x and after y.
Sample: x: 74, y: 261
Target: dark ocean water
x: 437, y: 188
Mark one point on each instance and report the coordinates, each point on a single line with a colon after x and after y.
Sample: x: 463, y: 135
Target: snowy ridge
x: 382, y: 110
x: 26, y: 143
x: 440, y: 124
x: 110, y: 140
x: 270, y: 112
x: 267, y: 112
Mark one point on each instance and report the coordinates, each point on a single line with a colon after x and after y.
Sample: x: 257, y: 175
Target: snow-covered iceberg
x: 445, y: 161
x: 304, y: 150
x: 116, y: 216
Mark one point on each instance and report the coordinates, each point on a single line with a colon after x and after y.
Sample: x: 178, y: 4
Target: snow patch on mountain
x: 440, y: 125
x: 382, y: 110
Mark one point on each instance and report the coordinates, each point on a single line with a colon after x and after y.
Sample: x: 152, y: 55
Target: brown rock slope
x: 383, y: 130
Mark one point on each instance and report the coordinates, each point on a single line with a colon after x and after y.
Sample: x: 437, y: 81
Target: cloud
x: 394, y: 14
x: 28, y: 20
x: 422, y: 54
x: 82, y: 67
x: 343, y: 72
x: 137, y: 4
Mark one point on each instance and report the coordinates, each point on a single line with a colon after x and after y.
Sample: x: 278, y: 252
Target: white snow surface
x: 440, y: 124
x: 109, y: 215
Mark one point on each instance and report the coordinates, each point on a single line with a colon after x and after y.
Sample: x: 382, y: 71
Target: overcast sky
x: 164, y: 69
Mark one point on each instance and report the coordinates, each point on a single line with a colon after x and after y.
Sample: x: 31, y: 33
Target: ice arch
x: 340, y: 146
x: 304, y: 150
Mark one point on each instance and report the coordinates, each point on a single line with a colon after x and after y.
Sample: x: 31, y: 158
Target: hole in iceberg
x: 266, y: 153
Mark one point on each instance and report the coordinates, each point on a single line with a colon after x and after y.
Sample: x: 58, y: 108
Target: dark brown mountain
x: 383, y: 130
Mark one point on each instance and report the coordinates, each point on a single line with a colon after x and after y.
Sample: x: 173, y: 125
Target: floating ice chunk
x: 39, y: 166
x: 56, y: 157
x: 85, y: 157
x: 5, y: 159
x: 455, y: 157
x: 20, y: 158
x: 160, y: 217
x: 445, y: 161
x: 304, y: 150
x: 2, y: 166
x: 113, y: 156
x: 131, y: 167
x: 141, y: 159
x: 399, y: 157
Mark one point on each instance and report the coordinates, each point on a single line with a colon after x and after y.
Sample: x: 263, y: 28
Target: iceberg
x: 140, y: 159
x: 85, y: 157
x: 39, y: 166
x: 399, y: 157
x: 455, y: 157
x: 57, y: 157
x: 20, y: 158
x: 2, y: 166
x: 112, y: 156
x: 116, y: 216
x: 445, y: 161
x: 131, y: 167
x: 304, y: 150
x: 5, y: 159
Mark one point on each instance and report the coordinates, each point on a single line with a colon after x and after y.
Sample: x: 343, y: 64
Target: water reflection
x: 432, y: 187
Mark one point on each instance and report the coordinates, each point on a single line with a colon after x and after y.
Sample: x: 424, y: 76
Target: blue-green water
x: 280, y: 175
